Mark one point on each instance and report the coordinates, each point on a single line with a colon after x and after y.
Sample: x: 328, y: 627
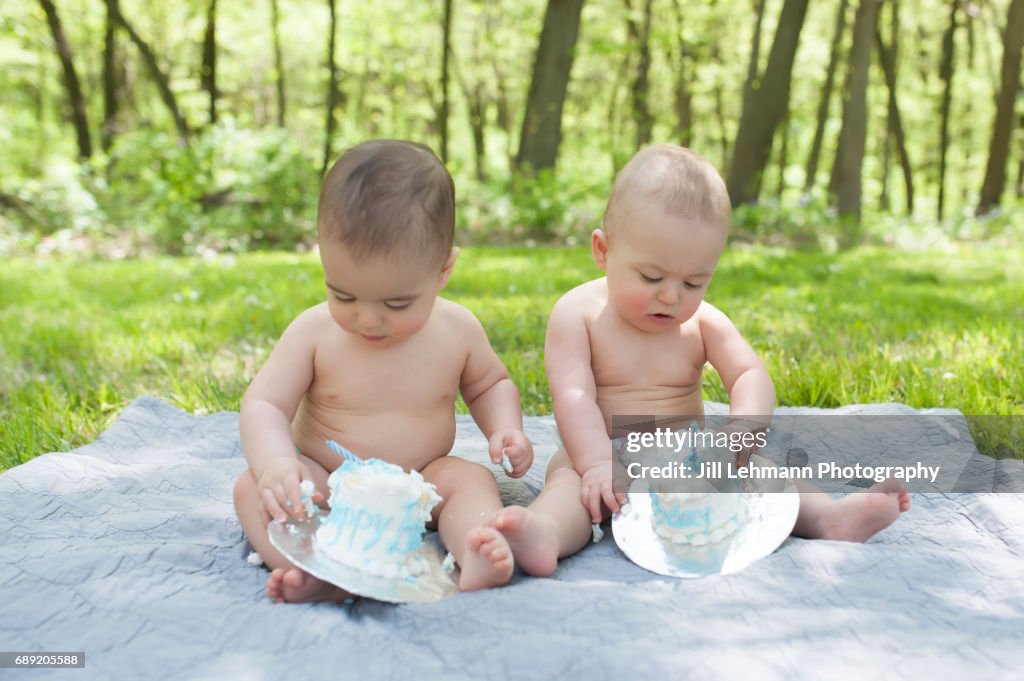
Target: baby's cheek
x: 635, y: 301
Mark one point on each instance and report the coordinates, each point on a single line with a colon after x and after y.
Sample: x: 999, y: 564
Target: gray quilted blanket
x: 128, y: 549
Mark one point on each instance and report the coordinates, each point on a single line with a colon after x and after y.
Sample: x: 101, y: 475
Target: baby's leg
x: 554, y: 526
x: 287, y: 583
x: 471, y: 499
x: 855, y: 517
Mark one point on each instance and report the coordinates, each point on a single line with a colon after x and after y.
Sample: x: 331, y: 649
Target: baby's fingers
x: 595, y: 504
x: 610, y: 498
x: 271, y: 506
x: 294, y: 504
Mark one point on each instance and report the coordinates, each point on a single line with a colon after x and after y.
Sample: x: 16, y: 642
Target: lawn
x: 80, y: 340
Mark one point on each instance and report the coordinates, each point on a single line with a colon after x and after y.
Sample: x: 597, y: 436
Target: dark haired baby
x: 377, y: 367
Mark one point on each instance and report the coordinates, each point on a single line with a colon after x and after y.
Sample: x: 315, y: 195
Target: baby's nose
x: 668, y: 295
x: 369, y: 318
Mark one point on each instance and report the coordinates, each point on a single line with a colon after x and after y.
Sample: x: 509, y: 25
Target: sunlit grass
x: 80, y: 340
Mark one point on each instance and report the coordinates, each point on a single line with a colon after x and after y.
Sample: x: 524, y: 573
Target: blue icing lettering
x: 410, y: 530
x: 379, y: 525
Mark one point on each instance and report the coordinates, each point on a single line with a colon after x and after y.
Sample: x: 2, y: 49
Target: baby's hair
x: 391, y: 198
x: 684, y: 183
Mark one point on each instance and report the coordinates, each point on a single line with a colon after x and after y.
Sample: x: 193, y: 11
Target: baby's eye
x: 343, y: 300
x: 397, y: 306
x: 650, y: 280
x: 693, y: 287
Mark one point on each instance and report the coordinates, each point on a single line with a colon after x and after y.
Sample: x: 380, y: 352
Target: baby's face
x: 658, y: 266
x: 378, y: 300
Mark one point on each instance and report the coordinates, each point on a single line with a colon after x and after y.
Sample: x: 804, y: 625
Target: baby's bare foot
x: 292, y: 585
x: 858, y: 516
x: 531, y: 537
x: 486, y: 560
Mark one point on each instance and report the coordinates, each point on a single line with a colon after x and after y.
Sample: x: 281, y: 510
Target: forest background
x: 868, y: 146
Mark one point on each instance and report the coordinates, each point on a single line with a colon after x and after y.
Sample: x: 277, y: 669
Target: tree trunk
x: 1020, y: 166
x: 275, y: 21
x: 149, y: 59
x: 110, y: 80
x: 946, y: 73
x: 542, y: 123
x: 476, y: 104
x: 640, y: 32
x: 826, y: 96
x: 683, y: 101
x: 446, y: 50
x: 846, y: 173
x: 332, y: 89
x: 75, y: 99
x: 723, y: 138
x: 765, y: 107
x: 754, y: 65
x: 1002, y: 128
x: 208, y: 77
x: 783, y: 158
x: 888, y: 60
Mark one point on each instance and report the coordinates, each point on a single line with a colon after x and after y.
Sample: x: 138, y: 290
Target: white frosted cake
x: 377, y: 518
x: 697, y: 518
x: 698, y: 511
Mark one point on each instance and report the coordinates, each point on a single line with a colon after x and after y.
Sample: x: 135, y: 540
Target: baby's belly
x: 408, y: 440
x: 656, y: 401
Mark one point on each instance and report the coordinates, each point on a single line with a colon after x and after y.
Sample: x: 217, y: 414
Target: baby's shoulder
x: 584, y: 301
x: 451, y: 317
x: 312, y: 325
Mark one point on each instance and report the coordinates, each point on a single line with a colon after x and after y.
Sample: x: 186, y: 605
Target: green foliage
x: 231, y: 189
x: 544, y: 208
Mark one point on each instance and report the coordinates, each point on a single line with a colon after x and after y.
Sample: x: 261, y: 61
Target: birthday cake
x: 377, y: 518
x: 698, y: 511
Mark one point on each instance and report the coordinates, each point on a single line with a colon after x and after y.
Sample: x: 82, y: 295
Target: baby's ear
x: 449, y: 265
x: 599, y: 248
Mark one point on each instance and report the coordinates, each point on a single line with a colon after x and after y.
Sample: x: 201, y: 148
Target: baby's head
x: 665, y: 227
x: 385, y: 227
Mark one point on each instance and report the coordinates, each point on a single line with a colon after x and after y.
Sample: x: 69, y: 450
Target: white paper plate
x: 295, y: 540
x: 770, y: 519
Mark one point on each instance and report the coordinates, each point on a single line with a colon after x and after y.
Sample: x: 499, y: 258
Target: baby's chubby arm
x: 268, y: 407
x: 492, y: 398
x: 744, y: 376
x: 581, y: 424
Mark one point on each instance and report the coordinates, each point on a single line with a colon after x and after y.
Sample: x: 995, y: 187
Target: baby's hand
x: 597, y: 485
x: 745, y: 437
x: 516, y: 446
x: 279, y: 492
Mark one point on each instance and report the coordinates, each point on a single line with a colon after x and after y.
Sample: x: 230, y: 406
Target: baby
x: 635, y: 343
x: 377, y: 368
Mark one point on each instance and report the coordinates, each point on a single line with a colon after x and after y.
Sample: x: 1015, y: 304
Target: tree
x: 640, y: 33
x: 946, y: 74
x: 161, y: 80
x: 826, y: 96
x: 683, y: 97
x: 332, y: 88
x: 110, y: 79
x: 1002, y: 127
x: 75, y: 99
x: 846, y: 178
x: 542, y: 123
x: 275, y: 22
x: 446, y: 50
x: 887, y: 58
x: 208, y: 71
x: 765, y: 107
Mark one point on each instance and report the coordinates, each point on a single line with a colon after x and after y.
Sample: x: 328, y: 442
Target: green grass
x: 80, y: 340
